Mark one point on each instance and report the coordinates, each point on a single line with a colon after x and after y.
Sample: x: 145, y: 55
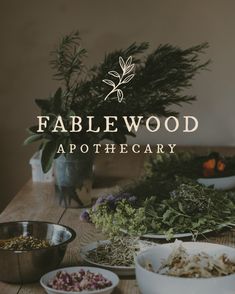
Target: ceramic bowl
x: 107, y: 274
x: 153, y: 283
x: 225, y: 183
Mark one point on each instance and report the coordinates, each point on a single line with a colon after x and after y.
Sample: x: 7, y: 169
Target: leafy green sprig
x: 124, y: 217
x: 190, y: 207
x: 67, y: 61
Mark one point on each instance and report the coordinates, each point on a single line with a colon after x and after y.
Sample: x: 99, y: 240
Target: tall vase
x: 73, y: 179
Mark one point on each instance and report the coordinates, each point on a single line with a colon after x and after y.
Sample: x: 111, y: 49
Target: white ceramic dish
x: 164, y: 237
x: 123, y: 271
x: 119, y: 270
x: 177, y: 236
x: 107, y: 274
x: 152, y: 283
x: 225, y: 183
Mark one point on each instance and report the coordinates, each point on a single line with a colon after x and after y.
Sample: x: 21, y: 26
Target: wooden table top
x: 36, y: 201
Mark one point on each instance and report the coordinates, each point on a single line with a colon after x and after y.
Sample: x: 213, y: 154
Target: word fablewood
x: 132, y: 123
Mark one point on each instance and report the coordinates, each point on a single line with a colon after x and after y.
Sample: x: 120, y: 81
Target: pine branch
x: 67, y: 59
x: 158, y: 81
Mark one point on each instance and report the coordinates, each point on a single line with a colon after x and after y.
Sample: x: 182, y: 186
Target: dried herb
x: 118, y: 252
x: 23, y: 243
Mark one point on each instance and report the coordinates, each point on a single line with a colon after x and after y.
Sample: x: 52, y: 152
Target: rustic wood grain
x: 31, y: 289
x: 37, y: 202
x: 8, y: 288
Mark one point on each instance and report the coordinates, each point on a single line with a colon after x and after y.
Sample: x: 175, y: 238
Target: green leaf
x: 166, y: 215
x: 48, y: 154
x: 180, y: 207
x: 71, y: 113
x: 44, y: 104
x: 57, y: 101
x: 131, y: 134
x: 33, y: 130
x: 33, y: 138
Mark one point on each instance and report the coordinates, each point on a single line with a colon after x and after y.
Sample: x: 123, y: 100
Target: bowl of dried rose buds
x: 76, y: 280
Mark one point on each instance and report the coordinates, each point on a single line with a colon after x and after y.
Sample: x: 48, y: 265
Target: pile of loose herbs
x: 163, y: 203
x: 120, y: 251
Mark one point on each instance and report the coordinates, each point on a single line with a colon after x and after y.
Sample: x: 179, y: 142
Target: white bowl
x: 225, y: 183
x: 153, y: 283
x: 107, y: 274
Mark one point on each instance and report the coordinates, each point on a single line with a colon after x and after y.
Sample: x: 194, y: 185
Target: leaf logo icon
x: 119, y: 95
x: 109, y: 82
x: 128, y: 78
x: 123, y: 78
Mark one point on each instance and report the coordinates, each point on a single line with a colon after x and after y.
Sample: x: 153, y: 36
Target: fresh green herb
x: 190, y: 207
x: 123, y: 216
x: 167, y: 200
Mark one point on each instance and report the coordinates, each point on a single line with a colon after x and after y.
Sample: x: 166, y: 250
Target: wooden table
x: 37, y: 202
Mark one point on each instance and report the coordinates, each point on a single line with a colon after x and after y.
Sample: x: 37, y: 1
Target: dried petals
x: 201, y: 265
x: 220, y: 166
x: 79, y: 281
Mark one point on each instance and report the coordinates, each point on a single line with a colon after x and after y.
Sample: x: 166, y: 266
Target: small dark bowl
x: 28, y: 266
